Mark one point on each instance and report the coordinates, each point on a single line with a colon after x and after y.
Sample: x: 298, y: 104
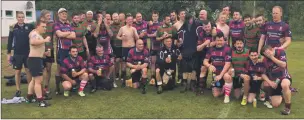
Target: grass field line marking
x: 225, y: 111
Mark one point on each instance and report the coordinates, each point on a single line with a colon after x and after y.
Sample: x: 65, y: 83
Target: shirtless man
x: 35, y: 63
x: 128, y: 35
x: 181, y: 15
x: 221, y: 24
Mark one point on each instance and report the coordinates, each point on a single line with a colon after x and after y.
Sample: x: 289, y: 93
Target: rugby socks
x: 227, y: 88
x: 143, y: 85
x: 123, y: 76
x: 268, y: 91
x: 58, y: 79
x: 93, y: 84
x: 82, y: 85
x: 30, y: 96
x: 288, y: 105
x: 40, y: 99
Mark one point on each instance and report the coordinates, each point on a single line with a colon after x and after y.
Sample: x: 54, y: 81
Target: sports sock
x: 227, y: 88
x: 82, y: 85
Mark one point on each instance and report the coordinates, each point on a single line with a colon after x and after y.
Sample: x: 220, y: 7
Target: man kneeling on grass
x: 278, y: 79
x: 137, y: 61
x: 166, y: 66
x: 256, y: 70
x: 73, y: 71
x: 100, y: 66
x: 220, y: 57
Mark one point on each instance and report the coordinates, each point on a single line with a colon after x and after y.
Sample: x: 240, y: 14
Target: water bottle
x: 217, y: 83
x: 232, y: 72
x: 100, y: 70
x: 277, y: 81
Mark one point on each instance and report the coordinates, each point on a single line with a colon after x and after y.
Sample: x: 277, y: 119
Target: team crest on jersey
x: 26, y: 27
x: 280, y: 28
x: 165, y: 51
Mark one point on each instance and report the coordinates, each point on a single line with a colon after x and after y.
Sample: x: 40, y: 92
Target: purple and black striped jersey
x: 275, y: 71
x: 69, y: 64
x: 274, y: 31
x: 203, y: 36
x: 104, y: 62
x: 141, y: 27
x: 218, y: 57
x: 63, y: 43
x: 104, y: 40
x: 236, y: 29
x: 155, y: 45
x: 255, y: 69
x: 134, y: 57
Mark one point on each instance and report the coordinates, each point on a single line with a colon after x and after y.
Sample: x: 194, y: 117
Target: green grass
x: 130, y: 103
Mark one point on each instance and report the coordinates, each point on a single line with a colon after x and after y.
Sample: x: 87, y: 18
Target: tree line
x: 291, y: 9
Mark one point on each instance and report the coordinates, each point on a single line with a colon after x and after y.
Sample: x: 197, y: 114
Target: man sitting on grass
x: 138, y: 60
x: 100, y: 66
x: 73, y: 72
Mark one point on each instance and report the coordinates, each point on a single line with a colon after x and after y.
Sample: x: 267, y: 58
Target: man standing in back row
x: 275, y: 30
x: 18, y: 40
x: 65, y: 33
x: 128, y: 35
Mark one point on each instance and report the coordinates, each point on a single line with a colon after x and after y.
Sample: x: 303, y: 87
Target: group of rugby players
x: 95, y: 51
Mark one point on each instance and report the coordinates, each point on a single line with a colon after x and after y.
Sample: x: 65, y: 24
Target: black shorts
x: 50, y: 59
x: 278, y: 90
x: 35, y: 65
x: 237, y: 82
x: 125, y: 52
x: 187, y: 64
x: 199, y: 58
x: 117, y: 52
x: 83, y: 55
x: 61, y: 55
x: 92, y: 42
x: 136, y: 76
x: 19, y: 60
x: 255, y: 86
x: 153, y: 52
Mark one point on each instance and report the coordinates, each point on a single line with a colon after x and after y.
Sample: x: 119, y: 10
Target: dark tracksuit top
x: 190, y: 39
x: 19, y: 39
x: 163, y: 54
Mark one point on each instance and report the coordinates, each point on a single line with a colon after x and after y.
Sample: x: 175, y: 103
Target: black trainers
x: 31, y: 100
x: 93, y: 90
x: 159, y: 89
x: 47, y: 97
x: 199, y: 91
x: 18, y: 93
x: 286, y: 111
x: 57, y: 92
x: 43, y: 104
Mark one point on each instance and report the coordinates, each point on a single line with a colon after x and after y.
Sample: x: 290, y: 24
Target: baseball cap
x: 62, y: 10
x: 89, y: 12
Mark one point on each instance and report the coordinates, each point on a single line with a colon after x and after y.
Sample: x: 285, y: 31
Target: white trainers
x: 268, y: 105
x: 115, y: 85
x: 227, y: 99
